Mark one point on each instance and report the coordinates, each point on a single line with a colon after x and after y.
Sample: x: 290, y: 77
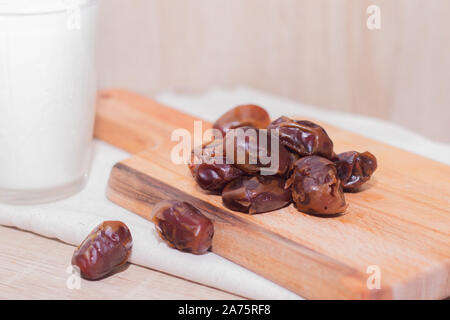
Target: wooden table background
x: 27, y: 274
x: 318, y: 52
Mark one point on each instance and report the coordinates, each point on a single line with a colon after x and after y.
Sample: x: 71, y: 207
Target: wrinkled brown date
x: 214, y: 177
x: 107, y: 247
x: 303, y: 137
x: 183, y: 226
x: 354, y: 168
x: 243, y: 116
x: 256, y: 194
x: 209, y: 174
x: 316, y: 187
x: 245, y: 153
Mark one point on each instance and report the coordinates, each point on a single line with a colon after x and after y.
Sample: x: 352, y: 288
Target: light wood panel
x: 400, y: 223
x: 318, y: 52
x: 28, y: 271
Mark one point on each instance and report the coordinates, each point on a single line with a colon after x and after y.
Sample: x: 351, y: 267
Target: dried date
x: 254, y: 152
x: 243, y: 116
x: 213, y: 173
x: 303, y: 137
x: 107, y: 247
x: 316, y: 187
x: 354, y: 168
x: 183, y: 226
x: 256, y: 194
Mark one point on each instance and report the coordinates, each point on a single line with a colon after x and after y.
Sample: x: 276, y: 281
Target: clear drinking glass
x: 47, y: 97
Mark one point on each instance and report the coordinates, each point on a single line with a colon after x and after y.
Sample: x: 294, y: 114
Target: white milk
x: 47, y: 97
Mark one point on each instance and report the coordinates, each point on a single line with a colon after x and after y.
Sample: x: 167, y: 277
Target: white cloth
x: 70, y: 220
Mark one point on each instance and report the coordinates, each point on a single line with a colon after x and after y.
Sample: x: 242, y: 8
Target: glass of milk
x: 47, y: 98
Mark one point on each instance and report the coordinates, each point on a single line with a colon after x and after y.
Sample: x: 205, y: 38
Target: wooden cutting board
x: 399, y: 225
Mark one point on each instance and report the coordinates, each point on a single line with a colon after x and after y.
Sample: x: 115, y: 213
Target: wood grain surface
x: 399, y: 223
x: 318, y: 52
x: 29, y: 272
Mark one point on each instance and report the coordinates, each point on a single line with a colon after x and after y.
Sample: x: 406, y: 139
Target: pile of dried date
x: 308, y: 173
